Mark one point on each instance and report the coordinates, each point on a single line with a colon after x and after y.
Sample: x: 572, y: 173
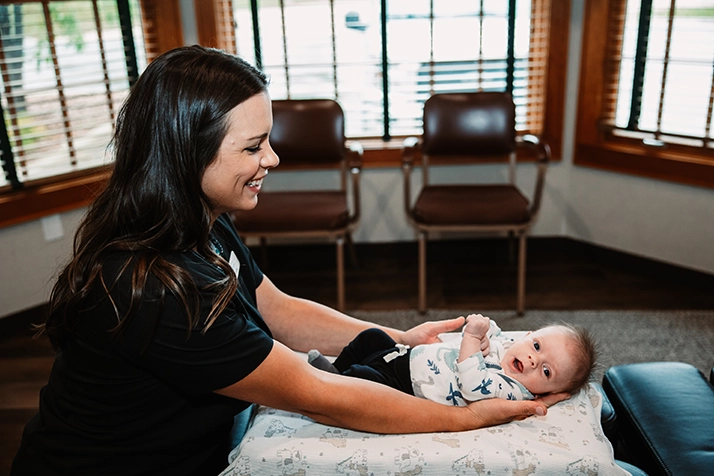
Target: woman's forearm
x: 286, y: 382
x: 376, y: 408
x: 303, y: 325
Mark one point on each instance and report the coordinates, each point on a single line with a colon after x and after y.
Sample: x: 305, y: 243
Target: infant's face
x: 542, y: 360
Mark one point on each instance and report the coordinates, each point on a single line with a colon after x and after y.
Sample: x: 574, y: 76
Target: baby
x: 553, y: 359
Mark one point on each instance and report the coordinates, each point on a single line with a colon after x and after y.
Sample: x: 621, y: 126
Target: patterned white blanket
x: 568, y: 441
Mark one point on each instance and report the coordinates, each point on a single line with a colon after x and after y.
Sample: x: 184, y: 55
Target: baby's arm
x: 475, y: 336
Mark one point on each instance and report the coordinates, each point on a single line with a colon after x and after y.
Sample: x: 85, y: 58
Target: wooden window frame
x: 595, y: 147
x: 73, y: 191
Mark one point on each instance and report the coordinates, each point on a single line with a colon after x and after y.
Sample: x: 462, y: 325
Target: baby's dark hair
x: 585, y: 358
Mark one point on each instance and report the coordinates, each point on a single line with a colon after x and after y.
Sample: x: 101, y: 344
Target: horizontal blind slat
x: 61, y: 117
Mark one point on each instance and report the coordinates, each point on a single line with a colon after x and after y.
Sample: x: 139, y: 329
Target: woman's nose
x: 270, y: 160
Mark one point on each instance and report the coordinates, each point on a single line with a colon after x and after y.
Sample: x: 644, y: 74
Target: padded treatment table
x: 664, y: 417
x: 569, y: 440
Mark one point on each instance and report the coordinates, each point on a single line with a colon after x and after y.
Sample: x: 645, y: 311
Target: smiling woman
x: 166, y: 325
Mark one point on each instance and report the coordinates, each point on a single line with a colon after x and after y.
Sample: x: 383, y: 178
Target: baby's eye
x: 546, y: 371
x: 536, y: 345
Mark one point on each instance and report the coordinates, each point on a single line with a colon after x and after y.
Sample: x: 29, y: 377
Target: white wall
x: 29, y: 263
x: 659, y: 220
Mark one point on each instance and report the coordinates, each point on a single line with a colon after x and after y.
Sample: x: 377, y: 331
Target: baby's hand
x: 477, y: 328
x: 475, y: 337
x: 477, y: 325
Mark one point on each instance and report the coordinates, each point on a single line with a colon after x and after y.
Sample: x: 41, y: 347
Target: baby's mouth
x: 518, y: 365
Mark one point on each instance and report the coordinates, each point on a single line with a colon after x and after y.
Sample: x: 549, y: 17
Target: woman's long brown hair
x: 168, y: 131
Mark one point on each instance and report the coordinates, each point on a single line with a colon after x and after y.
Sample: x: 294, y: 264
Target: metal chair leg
x: 351, y: 247
x: 521, y: 298
x: 340, y: 274
x: 422, y: 272
x: 511, y: 253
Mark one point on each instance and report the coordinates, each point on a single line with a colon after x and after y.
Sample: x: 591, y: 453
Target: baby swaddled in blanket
x: 553, y: 359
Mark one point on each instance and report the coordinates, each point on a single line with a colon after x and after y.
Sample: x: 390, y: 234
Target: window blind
x: 660, y: 87
x: 382, y: 59
x: 66, y: 67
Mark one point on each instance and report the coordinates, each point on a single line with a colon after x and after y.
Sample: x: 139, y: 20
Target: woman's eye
x: 253, y: 150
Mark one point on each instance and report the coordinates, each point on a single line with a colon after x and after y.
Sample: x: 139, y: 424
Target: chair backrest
x: 308, y: 132
x: 469, y: 124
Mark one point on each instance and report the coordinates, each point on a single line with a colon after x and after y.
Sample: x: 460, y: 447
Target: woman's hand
x: 428, y: 332
x: 495, y: 411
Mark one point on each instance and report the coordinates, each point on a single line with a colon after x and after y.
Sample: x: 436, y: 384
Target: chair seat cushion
x: 471, y: 205
x: 291, y: 211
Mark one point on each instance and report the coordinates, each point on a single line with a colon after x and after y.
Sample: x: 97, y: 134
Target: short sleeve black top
x: 143, y: 403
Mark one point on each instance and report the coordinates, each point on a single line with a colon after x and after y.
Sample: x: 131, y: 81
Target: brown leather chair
x: 468, y: 127
x: 309, y: 134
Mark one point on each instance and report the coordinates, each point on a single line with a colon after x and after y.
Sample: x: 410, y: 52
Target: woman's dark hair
x: 168, y: 131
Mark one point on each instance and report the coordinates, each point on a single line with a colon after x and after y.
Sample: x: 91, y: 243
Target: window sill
x: 39, y: 199
x: 661, y: 164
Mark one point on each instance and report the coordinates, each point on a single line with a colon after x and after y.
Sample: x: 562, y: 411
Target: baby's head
x: 553, y: 359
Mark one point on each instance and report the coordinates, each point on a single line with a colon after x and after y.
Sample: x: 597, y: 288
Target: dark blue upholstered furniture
x: 664, y: 417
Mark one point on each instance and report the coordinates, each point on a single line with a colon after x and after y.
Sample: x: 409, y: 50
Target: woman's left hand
x: 428, y: 332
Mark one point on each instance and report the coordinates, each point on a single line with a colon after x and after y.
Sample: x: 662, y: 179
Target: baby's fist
x: 477, y: 325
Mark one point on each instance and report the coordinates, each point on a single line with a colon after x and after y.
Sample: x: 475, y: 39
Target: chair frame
x: 412, y: 155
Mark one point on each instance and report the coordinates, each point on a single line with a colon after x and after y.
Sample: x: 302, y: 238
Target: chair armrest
x: 542, y: 152
x: 354, y: 156
x: 410, y: 148
x: 533, y: 142
x: 354, y: 164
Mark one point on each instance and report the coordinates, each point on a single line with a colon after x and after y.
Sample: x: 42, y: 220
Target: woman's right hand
x: 495, y: 411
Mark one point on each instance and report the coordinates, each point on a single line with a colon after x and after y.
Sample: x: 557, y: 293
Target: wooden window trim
x: 41, y: 199
x: 48, y: 197
x: 596, y: 148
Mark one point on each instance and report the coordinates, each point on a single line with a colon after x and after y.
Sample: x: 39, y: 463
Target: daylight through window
x: 66, y: 67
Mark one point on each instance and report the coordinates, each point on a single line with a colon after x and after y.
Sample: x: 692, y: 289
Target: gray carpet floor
x: 622, y: 336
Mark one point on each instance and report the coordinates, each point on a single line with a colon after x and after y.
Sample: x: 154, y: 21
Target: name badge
x: 235, y: 263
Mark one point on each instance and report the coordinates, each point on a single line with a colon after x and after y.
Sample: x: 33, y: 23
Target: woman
x: 164, y: 325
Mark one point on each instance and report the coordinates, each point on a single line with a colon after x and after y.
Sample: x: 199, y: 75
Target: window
x: 647, y: 89
x: 520, y: 44
x: 382, y: 59
x: 66, y: 68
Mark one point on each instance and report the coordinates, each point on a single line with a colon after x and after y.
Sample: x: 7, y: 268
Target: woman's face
x: 232, y: 181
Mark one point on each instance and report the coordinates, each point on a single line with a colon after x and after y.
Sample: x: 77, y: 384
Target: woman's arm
x: 303, y: 325
x: 284, y: 381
